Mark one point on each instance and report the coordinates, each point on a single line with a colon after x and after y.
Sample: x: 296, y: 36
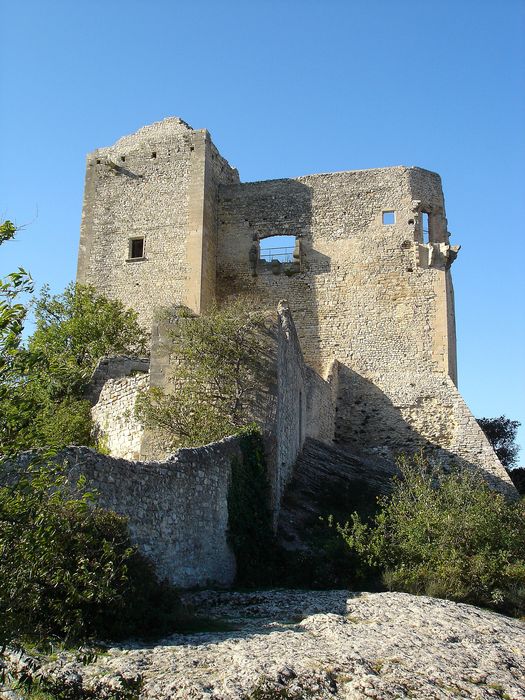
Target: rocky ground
x: 287, y: 645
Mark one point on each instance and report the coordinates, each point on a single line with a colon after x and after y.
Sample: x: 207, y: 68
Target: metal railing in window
x: 284, y: 255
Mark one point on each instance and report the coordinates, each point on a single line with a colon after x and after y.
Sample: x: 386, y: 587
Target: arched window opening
x: 279, y: 248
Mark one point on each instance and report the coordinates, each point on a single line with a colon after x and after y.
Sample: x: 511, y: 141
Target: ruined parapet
x: 117, y: 429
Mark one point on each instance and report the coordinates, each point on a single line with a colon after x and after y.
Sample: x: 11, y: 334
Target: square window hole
x: 136, y: 248
x: 389, y: 217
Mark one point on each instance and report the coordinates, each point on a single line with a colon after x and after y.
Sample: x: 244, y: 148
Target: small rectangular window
x: 425, y: 226
x: 136, y: 248
x: 389, y: 217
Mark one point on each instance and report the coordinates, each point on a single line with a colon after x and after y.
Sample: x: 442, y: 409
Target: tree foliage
x: 446, y: 535
x: 220, y: 362
x: 67, y: 567
x: 42, y: 381
x: 12, y: 314
x: 501, y: 433
x: 75, y: 329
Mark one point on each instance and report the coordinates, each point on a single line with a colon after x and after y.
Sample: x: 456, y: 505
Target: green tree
x: 220, y: 362
x: 446, y: 535
x: 75, y: 329
x: 41, y: 387
x: 501, y: 433
x: 16, y: 363
x: 67, y: 567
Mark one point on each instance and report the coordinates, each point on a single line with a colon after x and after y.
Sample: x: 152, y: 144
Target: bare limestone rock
x: 321, y: 644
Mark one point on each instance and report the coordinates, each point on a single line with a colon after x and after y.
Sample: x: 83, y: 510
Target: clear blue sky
x: 287, y: 87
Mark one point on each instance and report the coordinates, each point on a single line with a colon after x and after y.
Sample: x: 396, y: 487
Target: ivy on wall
x: 249, y: 516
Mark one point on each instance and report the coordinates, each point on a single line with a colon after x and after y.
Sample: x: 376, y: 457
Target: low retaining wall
x: 177, y: 509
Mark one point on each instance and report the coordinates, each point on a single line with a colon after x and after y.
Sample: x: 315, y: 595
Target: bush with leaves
x: 501, y: 433
x: 74, y: 330
x: 220, y: 362
x: 446, y: 535
x: 68, y: 568
x: 42, y: 384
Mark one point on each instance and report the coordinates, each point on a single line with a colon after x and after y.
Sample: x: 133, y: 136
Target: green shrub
x: 67, y: 567
x: 446, y: 535
x: 220, y: 362
x: 42, y: 382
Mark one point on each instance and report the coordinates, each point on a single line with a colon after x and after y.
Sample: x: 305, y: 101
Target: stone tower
x: 167, y: 222
x: 149, y: 221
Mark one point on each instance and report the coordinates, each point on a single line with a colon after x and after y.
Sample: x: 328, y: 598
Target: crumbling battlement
x: 177, y: 508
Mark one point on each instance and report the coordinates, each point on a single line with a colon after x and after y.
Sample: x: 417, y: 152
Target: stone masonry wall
x: 295, y: 403
x: 113, y: 368
x: 114, y: 416
x: 369, y: 288
x: 361, y: 296
x: 177, y: 509
x: 408, y: 412
x: 321, y: 401
x: 376, y: 297
x: 290, y: 421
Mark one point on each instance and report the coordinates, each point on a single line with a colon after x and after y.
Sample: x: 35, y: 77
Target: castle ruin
x: 366, y: 349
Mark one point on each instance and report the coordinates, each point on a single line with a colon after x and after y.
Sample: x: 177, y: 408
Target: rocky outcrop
x: 330, y: 480
x: 290, y: 645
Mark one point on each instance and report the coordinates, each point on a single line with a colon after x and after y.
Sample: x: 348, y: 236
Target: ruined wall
x: 369, y: 287
x: 321, y: 402
x: 294, y: 402
x: 361, y: 296
x: 113, y: 368
x: 290, y: 419
x: 411, y: 411
x: 177, y: 509
x: 114, y: 419
x: 148, y: 185
x: 375, y: 296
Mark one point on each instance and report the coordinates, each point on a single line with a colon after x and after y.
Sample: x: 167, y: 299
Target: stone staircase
x: 330, y: 480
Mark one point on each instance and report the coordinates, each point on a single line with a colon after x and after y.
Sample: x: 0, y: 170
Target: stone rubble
x: 321, y: 645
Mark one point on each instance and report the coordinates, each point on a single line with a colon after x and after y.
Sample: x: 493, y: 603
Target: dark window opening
x: 389, y: 217
x: 98, y: 161
x: 425, y: 226
x: 154, y: 154
x: 136, y: 248
x: 279, y: 248
x: 123, y: 159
